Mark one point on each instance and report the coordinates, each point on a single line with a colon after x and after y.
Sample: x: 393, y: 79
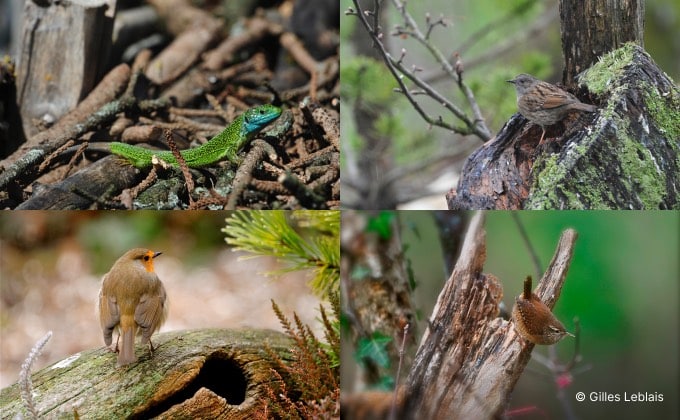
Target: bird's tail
x: 585, y: 107
x: 126, y: 353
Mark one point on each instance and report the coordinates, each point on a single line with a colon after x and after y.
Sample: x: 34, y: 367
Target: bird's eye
x: 146, y: 258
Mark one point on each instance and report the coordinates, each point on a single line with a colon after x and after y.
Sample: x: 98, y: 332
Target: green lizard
x: 223, y: 146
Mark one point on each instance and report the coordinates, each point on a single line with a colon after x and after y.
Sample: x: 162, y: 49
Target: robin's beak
x: 155, y: 254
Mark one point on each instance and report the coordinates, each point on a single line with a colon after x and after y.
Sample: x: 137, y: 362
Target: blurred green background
x: 622, y: 285
x: 538, y: 53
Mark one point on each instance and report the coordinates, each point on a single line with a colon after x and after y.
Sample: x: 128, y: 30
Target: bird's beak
x: 511, y: 81
x: 155, y: 254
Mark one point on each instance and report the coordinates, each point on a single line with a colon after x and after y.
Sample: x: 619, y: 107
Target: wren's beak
x: 511, y: 81
x: 155, y: 254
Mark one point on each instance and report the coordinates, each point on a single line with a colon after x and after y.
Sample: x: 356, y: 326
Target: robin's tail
x: 126, y: 353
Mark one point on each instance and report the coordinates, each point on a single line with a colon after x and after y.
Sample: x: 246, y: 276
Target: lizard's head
x: 256, y: 118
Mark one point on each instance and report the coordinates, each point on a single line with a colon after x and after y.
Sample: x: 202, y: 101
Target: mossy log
x: 209, y: 373
x: 626, y: 155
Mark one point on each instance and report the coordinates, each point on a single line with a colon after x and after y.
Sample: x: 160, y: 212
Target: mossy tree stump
x: 210, y: 373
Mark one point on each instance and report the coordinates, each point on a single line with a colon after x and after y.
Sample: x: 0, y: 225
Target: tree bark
x: 211, y: 373
x: 469, y: 359
x: 592, y: 28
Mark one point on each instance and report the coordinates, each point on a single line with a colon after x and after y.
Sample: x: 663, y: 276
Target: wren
x: 533, y: 319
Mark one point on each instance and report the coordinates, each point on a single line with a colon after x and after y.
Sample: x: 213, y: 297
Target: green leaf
x: 374, y: 349
x: 381, y: 224
x: 359, y: 272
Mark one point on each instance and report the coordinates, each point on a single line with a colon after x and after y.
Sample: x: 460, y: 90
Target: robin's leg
x: 115, y: 348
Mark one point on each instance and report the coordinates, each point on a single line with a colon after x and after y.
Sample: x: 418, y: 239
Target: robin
x: 132, y: 300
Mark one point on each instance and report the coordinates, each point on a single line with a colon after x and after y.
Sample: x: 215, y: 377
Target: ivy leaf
x: 359, y: 272
x: 375, y: 349
x: 381, y: 224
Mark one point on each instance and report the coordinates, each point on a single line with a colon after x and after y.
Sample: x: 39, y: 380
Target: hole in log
x: 223, y: 376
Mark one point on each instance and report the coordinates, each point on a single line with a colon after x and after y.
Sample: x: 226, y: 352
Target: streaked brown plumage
x: 543, y: 103
x: 133, y: 301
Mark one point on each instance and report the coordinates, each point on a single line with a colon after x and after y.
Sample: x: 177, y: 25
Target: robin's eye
x: 146, y: 258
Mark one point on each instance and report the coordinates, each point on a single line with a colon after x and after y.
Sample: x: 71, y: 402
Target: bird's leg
x: 540, y: 142
x: 114, y: 348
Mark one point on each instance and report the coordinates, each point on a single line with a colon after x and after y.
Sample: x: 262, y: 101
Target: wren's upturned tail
x: 132, y: 299
x: 533, y: 319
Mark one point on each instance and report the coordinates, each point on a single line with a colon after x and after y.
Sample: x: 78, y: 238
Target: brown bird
x: 132, y: 300
x: 533, y: 319
x: 543, y: 103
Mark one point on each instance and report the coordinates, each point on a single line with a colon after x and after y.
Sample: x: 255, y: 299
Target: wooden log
x: 79, y: 191
x: 209, y: 373
x: 64, y: 49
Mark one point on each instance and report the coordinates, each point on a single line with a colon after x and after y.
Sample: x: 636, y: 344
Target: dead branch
x: 469, y: 359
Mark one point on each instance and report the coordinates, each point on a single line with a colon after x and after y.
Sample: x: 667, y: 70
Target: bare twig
x: 475, y: 126
x: 527, y: 242
x: 182, y: 164
x: 244, y: 175
x: 74, y: 158
x: 393, y: 409
x: 127, y: 196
